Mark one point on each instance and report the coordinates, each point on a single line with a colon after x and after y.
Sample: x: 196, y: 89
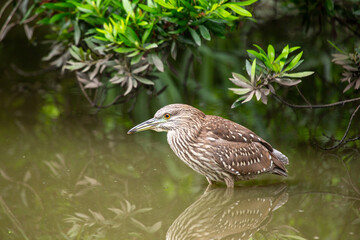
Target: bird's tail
x: 281, y: 157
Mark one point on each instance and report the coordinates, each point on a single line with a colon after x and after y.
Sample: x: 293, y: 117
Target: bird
x: 217, y: 148
x: 229, y: 214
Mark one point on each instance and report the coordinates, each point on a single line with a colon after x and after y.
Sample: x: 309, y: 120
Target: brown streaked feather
x: 231, y: 131
x: 240, y: 151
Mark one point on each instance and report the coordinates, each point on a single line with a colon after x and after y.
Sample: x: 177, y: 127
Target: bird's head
x: 171, y: 117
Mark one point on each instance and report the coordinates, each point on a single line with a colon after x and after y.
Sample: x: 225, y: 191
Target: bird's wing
x: 233, y: 132
x: 238, y: 150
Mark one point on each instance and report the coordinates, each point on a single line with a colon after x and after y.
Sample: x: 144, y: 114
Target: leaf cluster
x: 350, y: 62
x: 264, y: 69
x: 129, y: 40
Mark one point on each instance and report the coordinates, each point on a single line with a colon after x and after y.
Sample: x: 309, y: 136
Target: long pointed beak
x: 147, y: 125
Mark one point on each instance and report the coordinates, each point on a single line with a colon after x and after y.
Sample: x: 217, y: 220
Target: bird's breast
x: 194, y: 153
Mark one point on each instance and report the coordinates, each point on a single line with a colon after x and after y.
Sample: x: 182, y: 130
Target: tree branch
x: 116, y: 100
x: 342, y: 141
x: 85, y: 94
x: 277, y: 97
x: 310, y: 106
x: 302, y: 95
x: 4, y: 7
x: 3, y: 30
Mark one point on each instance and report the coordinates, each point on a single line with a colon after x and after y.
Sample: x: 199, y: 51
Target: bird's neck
x: 183, y: 136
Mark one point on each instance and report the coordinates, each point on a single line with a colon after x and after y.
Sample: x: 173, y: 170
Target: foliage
x: 350, y: 62
x: 122, y: 43
x: 266, y: 71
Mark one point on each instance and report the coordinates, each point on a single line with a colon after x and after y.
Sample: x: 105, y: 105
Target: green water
x: 70, y: 179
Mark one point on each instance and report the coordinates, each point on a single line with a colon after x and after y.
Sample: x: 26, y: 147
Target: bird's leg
x: 229, y: 182
x: 210, y: 182
x: 209, y: 187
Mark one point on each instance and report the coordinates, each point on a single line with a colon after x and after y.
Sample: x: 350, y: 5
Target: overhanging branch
x: 311, y: 106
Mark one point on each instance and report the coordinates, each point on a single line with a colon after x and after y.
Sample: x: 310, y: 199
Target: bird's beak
x: 147, y: 125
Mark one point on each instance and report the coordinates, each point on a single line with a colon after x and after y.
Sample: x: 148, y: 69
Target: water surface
x: 71, y: 179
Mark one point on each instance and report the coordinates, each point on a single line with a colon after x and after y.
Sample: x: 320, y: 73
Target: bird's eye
x: 167, y: 116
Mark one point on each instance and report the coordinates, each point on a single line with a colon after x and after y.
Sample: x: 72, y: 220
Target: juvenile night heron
x: 219, y: 149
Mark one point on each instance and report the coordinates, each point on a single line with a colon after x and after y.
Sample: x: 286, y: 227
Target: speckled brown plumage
x: 215, y: 147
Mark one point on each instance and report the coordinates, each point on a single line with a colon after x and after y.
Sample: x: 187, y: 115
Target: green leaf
x: 260, y: 56
x: 293, y: 62
x: 143, y: 80
x: 127, y: 6
x: 146, y: 34
x: 239, y: 10
x: 136, y: 58
x: 188, y: 5
x: 287, y: 82
x: 173, y: 50
x: 85, y: 9
x: 58, y: 17
x: 223, y: 13
x: 195, y: 36
x: 157, y: 62
x: 131, y: 35
x: 244, y: 3
x: 271, y: 53
x: 260, y: 49
x: 281, y: 59
x: 248, y: 67
x: 204, y: 3
x: 133, y: 54
x: 253, y: 70
x: 240, y: 91
x: 74, y: 65
x: 27, y: 13
x: 293, y: 49
x: 248, y: 96
x: 140, y: 69
x: 237, y: 102
x: 75, y: 53
x: 298, y: 74
x: 240, y: 77
x: 151, y: 45
x: 298, y: 64
x: 264, y: 57
x: 124, y: 50
x: 59, y: 6
x: 332, y: 44
x: 205, y: 32
x: 77, y: 33
x: 165, y: 4
x: 148, y: 9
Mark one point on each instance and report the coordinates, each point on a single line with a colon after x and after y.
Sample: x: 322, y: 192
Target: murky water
x: 70, y: 181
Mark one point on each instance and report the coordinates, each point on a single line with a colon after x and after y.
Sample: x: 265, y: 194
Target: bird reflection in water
x: 229, y: 213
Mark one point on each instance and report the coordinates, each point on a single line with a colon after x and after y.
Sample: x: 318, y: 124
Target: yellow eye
x: 167, y: 116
